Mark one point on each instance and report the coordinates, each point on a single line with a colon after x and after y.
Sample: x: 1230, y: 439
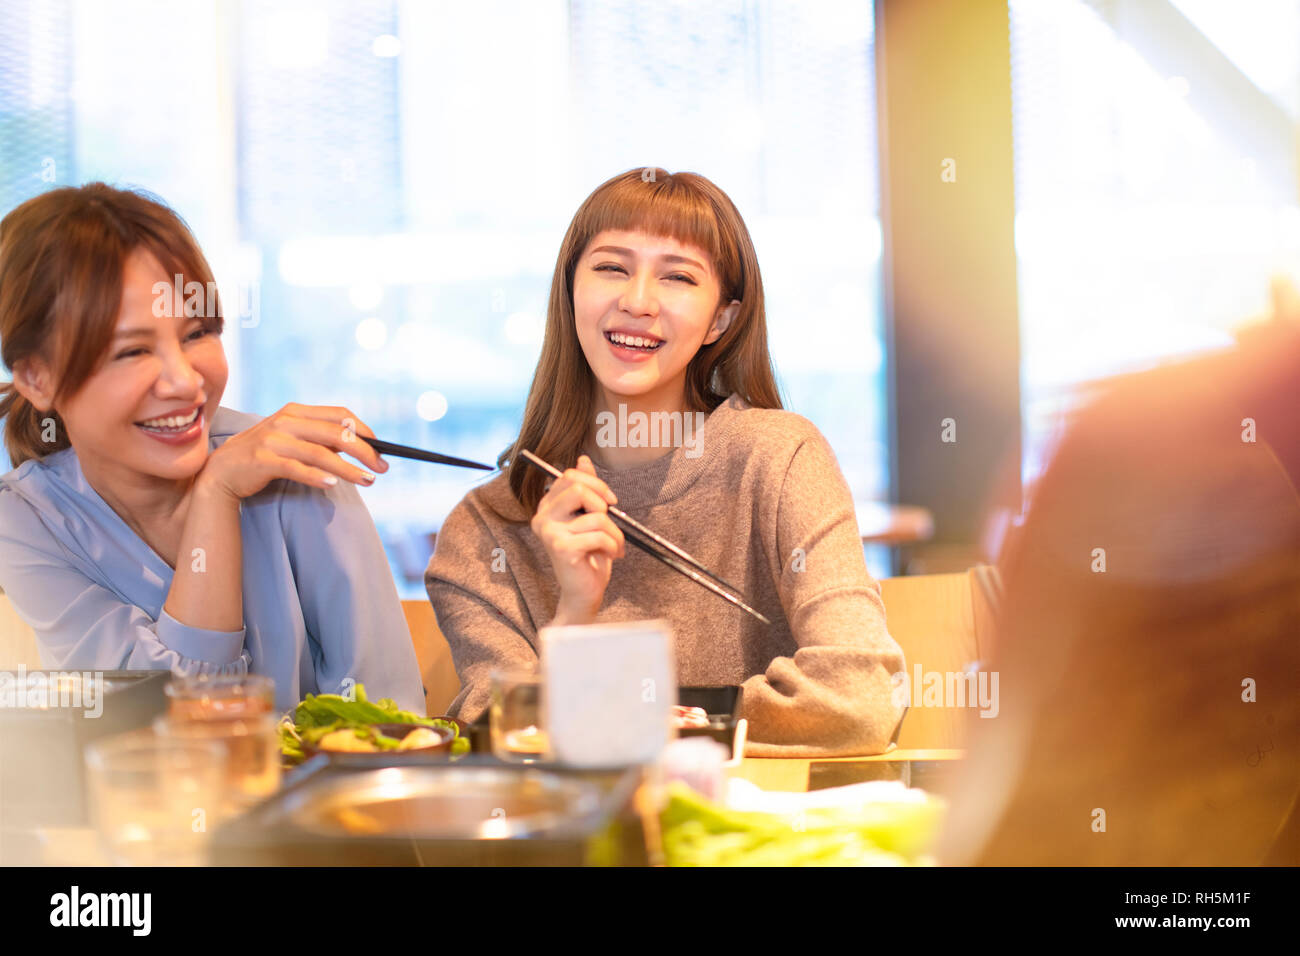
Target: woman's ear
x: 726, y: 315
x: 34, y: 382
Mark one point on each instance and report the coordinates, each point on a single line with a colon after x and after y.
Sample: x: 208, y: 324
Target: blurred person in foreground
x: 1149, y: 639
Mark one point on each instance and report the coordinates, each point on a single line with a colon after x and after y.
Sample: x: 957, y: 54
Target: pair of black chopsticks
x: 663, y: 549
x: 419, y: 454
x: 641, y: 536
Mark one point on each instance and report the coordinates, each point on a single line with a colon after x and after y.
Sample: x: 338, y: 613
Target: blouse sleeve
x: 835, y: 695
x: 357, y: 631
x: 83, y: 625
x: 481, y: 621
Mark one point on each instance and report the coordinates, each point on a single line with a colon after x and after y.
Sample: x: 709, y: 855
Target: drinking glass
x: 251, y: 744
x: 515, y: 717
x: 219, y: 697
x: 154, y: 800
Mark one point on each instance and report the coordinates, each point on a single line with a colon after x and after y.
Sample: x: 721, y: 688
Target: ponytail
x: 29, y: 432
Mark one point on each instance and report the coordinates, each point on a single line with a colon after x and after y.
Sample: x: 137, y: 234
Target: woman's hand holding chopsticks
x: 573, y: 524
x: 303, y: 443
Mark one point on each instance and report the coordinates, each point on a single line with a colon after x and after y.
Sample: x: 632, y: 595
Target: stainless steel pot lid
x: 442, y: 803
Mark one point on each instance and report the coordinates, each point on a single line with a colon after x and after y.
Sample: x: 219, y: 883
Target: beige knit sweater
x: 761, y: 502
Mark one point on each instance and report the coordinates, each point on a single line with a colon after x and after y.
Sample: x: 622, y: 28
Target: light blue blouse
x: 320, y: 605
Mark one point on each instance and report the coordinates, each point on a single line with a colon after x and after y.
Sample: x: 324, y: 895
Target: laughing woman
x: 656, y: 308
x: 146, y: 527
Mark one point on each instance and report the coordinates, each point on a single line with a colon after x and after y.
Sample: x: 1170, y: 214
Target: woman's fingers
x: 573, y: 523
x: 575, y: 490
x: 559, y: 520
x: 574, y: 547
x: 560, y: 505
x: 343, y: 417
x: 299, y: 442
x: 306, y: 474
x: 333, y: 434
x: 597, y: 522
x: 585, y: 474
x: 318, y: 457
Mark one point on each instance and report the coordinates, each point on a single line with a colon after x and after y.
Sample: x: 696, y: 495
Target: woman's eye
x: 130, y: 353
x: 198, y: 334
x: 610, y: 267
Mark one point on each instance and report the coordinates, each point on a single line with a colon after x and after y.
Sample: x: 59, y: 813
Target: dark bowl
x: 397, y: 731
x: 721, y: 728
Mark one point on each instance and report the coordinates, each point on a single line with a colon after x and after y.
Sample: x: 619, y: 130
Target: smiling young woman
x: 145, y: 526
x: 656, y: 310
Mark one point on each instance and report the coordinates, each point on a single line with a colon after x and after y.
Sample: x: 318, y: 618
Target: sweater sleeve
x: 478, y: 608
x: 835, y: 695
x: 82, y: 624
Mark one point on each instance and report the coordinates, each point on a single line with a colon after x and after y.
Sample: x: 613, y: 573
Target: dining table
x: 913, y: 767
x: 79, y: 846
x: 888, y: 524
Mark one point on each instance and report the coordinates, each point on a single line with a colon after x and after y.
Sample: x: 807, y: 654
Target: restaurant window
x: 382, y: 188
x: 1156, y: 186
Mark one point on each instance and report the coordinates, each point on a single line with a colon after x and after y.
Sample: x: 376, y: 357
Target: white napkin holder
x: 608, y: 692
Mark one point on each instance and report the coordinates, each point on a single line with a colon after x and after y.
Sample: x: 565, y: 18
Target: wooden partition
x: 17, y: 640
x: 437, y: 672
x: 943, y: 622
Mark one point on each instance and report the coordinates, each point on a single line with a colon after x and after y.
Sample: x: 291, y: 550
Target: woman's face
x: 643, y: 306
x: 148, y: 407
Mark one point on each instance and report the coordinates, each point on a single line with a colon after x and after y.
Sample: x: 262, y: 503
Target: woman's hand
x: 574, y: 526
x: 299, y: 442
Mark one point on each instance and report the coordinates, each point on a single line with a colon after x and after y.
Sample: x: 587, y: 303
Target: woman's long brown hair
x: 62, y: 257
x: 682, y: 206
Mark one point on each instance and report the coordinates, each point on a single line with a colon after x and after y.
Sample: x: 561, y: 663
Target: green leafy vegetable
x: 321, y: 714
x: 318, y: 709
x: 697, y: 832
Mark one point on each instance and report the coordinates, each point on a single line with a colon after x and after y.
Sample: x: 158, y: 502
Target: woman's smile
x: 631, y: 346
x: 175, y: 428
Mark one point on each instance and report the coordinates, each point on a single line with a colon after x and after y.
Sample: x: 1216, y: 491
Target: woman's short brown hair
x: 62, y: 258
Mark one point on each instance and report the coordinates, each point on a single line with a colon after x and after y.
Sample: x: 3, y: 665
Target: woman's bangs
x: 658, y: 209
x: 180, y: 266
x: 89, y: 257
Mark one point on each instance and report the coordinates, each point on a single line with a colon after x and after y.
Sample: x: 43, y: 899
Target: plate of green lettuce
x: 372, y: 724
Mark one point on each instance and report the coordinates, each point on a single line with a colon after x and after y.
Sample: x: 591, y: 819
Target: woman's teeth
x: 633, y: 341
x: 173, y: 423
